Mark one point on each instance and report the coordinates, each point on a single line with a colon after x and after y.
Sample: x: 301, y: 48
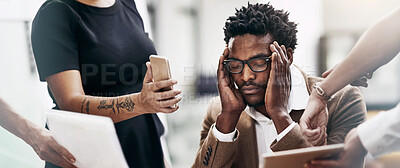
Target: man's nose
x: 247, y: 73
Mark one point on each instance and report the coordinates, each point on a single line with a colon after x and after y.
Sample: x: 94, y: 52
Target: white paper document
x: 91, y: 139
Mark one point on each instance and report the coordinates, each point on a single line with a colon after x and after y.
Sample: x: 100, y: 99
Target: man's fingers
x: 275, y: 50
x: 163, y: 84
x: 220, y: 70
x: 274, y: 63
x: 229, y: 80
x: 281, y: 52
x: 225, y: 53
x: 284, y: 49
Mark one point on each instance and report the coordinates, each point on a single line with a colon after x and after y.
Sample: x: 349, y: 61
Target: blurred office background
x: 190, y: 34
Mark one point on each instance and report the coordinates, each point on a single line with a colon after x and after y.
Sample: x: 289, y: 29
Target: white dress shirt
x: 265, y: 128
x: 381, y: 134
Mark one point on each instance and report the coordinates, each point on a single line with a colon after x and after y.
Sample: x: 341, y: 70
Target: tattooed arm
x: 68, y: 91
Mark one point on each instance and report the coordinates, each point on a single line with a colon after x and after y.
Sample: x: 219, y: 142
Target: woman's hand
x: 49, y: 150
x: 152, y: 100
x: 352, y: 156
x: 314, y: 120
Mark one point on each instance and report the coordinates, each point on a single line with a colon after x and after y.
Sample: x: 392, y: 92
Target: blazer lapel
x: 248, y: 141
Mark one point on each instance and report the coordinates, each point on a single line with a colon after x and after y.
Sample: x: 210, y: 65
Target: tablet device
x: 296, y: 158
x: 91, y: 139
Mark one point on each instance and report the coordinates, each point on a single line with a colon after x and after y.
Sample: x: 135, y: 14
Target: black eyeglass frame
x: 268, y: 59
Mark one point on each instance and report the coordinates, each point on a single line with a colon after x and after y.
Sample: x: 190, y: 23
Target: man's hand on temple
x: 354, y: 153
x: 278, y: 89
x: 314, y: 120
x: 231, y: 99
x: 49, y: 150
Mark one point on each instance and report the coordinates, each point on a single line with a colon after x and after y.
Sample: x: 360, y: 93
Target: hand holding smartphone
x: 161, y: 71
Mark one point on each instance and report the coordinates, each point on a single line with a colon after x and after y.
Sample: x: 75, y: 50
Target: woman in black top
x: 93, y: 54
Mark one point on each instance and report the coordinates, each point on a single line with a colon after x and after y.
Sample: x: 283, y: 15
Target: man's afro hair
x: 260, y: 19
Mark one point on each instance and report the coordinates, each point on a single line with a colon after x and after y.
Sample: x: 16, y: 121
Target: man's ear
x: 290, y: 54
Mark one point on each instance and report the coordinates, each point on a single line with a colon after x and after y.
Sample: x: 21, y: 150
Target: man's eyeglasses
x: 259, y: 64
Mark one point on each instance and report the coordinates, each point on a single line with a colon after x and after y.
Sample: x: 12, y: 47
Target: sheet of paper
x: 91, y: 139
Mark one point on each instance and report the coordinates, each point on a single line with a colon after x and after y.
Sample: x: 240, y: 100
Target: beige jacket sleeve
x: 346, y: 110
x: 292, y: 140
x: 210, y: 147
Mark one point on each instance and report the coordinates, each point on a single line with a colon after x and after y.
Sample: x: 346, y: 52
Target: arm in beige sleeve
x: 292, y: 140
x: 213, y: 152
x: 347, y: 111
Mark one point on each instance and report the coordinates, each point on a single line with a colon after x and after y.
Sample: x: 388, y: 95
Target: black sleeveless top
x: 110, y: 48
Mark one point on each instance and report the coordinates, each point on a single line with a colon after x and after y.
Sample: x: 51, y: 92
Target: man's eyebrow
x: 256, y: 56
x: 261, y: 55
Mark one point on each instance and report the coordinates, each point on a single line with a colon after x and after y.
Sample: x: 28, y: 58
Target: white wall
x: 17, y: 10
x: 354, y: 15
x: 175, y: 39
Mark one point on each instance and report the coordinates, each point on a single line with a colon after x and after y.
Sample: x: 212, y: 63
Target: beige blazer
x: 346, y: 111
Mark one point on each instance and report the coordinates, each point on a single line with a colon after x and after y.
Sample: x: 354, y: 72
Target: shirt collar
x: 298, y: 97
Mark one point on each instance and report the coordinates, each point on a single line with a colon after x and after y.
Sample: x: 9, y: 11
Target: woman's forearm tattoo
x: 104, y: 106
x: 126, y: 104
x: 87, y: 106
x: 83, y: 103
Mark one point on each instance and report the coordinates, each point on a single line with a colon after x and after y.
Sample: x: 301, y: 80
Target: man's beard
x: 255, y: 103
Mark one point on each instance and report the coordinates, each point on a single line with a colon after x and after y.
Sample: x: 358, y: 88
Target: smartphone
x: 161, y: 70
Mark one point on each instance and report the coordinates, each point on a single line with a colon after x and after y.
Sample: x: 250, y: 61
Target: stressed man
x: 262, y: 95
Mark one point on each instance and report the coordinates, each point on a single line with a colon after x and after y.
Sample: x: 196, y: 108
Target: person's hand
x: 279, y: 84
x: 314, y: 120
x: 352, y: 156
x: 47, y: 148
x: 362, y: 81
x: 232, y: 101
x: 153, y: 100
